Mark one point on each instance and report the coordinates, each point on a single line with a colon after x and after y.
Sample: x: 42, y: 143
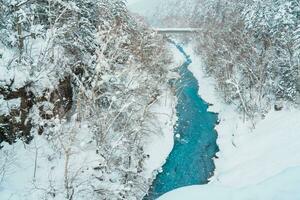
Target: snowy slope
x: 261, y: 163
x: 284, y: 186
x: 272, y: 147
x: 159, y: 146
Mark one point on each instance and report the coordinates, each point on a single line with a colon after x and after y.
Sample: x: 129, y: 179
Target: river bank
x: 260, y: 163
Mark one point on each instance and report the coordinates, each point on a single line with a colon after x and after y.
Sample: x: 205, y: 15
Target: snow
x: 158, y: 146
x: 40, y: 76
x: 101, y: 151
x: 273, y: 188
x: 37, y: 170
x: 266, y: 151
x: 6, y: 74
x: 30, y: 171
x: 6, y: 106
x: 260, y: 162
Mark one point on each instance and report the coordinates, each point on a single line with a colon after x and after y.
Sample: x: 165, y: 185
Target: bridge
x: 177, y: 30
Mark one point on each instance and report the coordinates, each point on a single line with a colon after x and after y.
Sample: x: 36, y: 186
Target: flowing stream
x: 191, y: 160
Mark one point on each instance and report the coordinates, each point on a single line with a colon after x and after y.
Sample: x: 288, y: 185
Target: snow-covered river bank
x: 191, y: 160
x: 261, y: 163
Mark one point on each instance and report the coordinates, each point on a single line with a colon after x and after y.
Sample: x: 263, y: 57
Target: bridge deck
x: 177, y: 30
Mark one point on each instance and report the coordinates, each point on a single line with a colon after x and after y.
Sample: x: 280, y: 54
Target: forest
x: 82, y: 82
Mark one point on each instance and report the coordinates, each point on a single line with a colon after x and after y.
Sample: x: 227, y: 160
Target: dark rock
x: 278, y: 107
x: 17, y: 124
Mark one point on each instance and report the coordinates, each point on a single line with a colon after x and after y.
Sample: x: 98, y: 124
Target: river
x: 191, y: 160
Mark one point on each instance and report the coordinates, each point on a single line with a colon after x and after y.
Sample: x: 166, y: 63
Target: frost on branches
x: 251, y: 48
x: 77, y: 81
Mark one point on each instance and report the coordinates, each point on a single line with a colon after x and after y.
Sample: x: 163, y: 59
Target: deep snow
x: 274, y: 188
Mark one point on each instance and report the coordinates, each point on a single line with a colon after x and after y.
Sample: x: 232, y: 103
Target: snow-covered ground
x: 37, y: 171
x: 261, y: 163
x: 159, y: 146
x: 284, y: 186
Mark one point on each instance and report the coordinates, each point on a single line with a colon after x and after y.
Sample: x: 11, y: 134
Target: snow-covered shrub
x: 85, y: 75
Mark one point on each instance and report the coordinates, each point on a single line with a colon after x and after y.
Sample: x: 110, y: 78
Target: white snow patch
x: 7, y: 105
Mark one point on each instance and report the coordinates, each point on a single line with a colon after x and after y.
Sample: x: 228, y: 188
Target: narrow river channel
x: 191, y: 160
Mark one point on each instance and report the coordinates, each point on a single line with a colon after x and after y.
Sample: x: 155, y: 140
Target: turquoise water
x: 190, y: 161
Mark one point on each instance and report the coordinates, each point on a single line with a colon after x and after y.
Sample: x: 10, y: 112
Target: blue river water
x: 191, y: 160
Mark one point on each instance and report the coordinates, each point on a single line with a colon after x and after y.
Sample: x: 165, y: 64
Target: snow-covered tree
x: 84, y: 75
x: 251, y: 48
